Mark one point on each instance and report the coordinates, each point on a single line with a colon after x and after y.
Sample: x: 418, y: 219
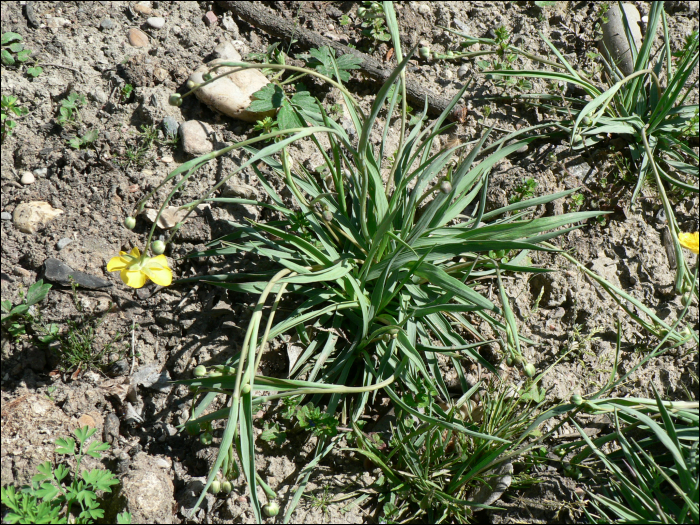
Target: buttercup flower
x: 689, y: 240
x: 136, y: 269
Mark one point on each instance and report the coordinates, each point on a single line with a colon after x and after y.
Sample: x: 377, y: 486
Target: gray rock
x: 63, y: 243
x: 59, y: 272
x: 156, y: 22
x: 107, y: 24
x: 118, y: 368
x: 6, y: 216
x: 194, y: 135
x: 40, y: 172
x: 149, y: 376
x: 170, y: 126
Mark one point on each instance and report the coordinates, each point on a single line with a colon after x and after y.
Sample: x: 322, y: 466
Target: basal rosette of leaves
x: 383, y: 275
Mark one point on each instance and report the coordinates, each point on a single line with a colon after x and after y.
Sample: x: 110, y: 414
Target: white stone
x: 156, y: 22
x: 195, y: 137
x: 27, y: 178
x: 28, y: 217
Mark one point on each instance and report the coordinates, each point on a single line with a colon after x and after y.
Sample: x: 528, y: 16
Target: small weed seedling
x: 57, y: 495
x: 125, y: 93
x: 525, y: 191
x: 373, y: 23
x: 85, y: 140
x: 69, y: 113
x: 14, y: 53
x: 10, y: 108
x: 16, y: 318
x: 137, y: 150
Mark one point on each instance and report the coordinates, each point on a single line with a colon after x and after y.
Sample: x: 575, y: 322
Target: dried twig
x: 258, y: 16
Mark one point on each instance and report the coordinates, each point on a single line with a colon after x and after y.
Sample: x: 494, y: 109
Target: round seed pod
x: 587, y: 121
x: 529, y: 370
x: 517, y: 360
x: 327, y: 216
x: 245, y: 389
x: 130, y: 223
x: 578, y: 138
x: 424, y: 53
x: 175, y: 99
x: 158, y: 247
x: 226, y: 487
x: 445, y: 187
x: 206, y: 439
x: 577, y: 400
x: 509, y: 360
x: 271, y: 509
x: 200, y: 371
x: 215, y: 486
x: 361, y: 11
x: 193, y: 428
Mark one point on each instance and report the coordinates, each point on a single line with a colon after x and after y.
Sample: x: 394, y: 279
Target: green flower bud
x: 529, y: 370
x: 200, y: 371
x: 175, y: 100
x: 587, y: 121
x: 424, y: 53
x: 361, y: 11
x: 193, y: 428
x: 445, y: 187
x: 450, y: 53
x: 215, y: 486
x: 509, y: 360
x: 578, y: 138
x: 517, y: 360
x: 130, y: 223
x: 206, y: 439
x: 245, y: 389
x: 271, y: 509
x: 577, y: 400
x: 158, y: 247
x: 226, y: 487
x: 327, y: 216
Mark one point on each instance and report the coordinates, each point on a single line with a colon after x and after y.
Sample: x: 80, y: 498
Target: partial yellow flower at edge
x: 136, y: 269
x: 689, y: 240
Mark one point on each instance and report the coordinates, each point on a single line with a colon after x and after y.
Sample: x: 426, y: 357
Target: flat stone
x: 137, y: 38
x: 58, y: 272
x: 29, y: 217
x: 143, y: 8
x: 107, y: 24
x: 150, y: 376
x: 63, y: 243
x: 170, y: 126
x: 40, y: 172
x: 156, y: 22
x: 210, y: 19
x: 6, y: 216
x: 194, y: 134
x: 86, y: 420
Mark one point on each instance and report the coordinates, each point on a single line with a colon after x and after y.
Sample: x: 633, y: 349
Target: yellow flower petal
x: 133, y: 278
x: 135, y: 252
x: 117, y: 263
x: 689, y: 240
x: 158, y: 271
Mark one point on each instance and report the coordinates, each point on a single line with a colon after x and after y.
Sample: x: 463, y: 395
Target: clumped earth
x: 90, y: 49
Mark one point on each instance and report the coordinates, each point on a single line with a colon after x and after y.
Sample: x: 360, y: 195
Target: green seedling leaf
x: 7, y: 58
x: 322, y: 61
x: 34, y: 71
x: 9, y: 37
x: 65, y: 446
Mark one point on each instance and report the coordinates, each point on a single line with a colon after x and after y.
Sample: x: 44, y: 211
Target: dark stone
x: 35, y: 358
x: 118, y: 368
x: 60, y: 273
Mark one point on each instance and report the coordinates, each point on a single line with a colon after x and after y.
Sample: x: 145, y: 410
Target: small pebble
x: 41, y: 172
x: 137, y: 38
x: 462, y: 71
x: 170, y: 126
x: 27, y: 178
x: 167, y: 159
x: 63, y: 243
x: 107, y: 24
x: 210, y: 18
x: 6, y: 216
x: 229, y: 24
x: 156, y: 22
x: 143, y: 8
x: 447, y: 74
x: 195, y: 137
x: 424, y: 9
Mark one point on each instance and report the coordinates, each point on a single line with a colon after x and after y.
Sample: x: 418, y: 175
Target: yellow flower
x: 136, y: 269
x: 689, y: 240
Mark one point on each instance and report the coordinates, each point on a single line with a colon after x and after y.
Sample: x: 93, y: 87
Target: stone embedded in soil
x: 40, y: 172
x: 143, y: 8
x: 137, y: 38
x: 29, y: 217
x: 86, y: 420
x: 63, y: 243
x: 107, y: 24
x: 231, y: 95
x: 194, y: 134
x: 169, y: 218
x: 170, y: 126
x: 58, y: 272
x: 156, y: 22
x: 210, y: 19
x: 149, y: 376
x: 6, y: 216
x: 27, y: 178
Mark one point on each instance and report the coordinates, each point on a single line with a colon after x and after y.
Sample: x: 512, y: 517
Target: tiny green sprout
x: 577, y: 400
x: 215, y: 487
x: 424, y: 53
x: 207, y: 76
x: 245, y: 389
x: 158, y: 247
x: 445, y: 187
x: 271, y: 509
x: 130, y: 223
x: 561, y: 452
x: 175, y: 99
x: 542, y: 451
x: 200, y: 371
x: 529, y: 370
x: 226, y: 487
x: 327, y: 216
x: 193, y: 428
x: 206, y: 439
